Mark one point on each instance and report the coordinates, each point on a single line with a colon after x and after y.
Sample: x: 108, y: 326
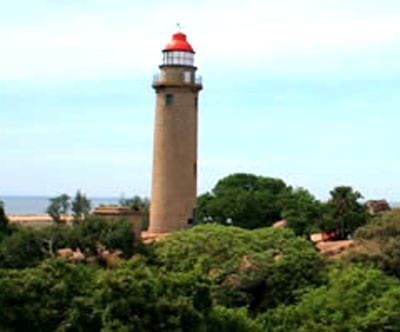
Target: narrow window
x: 169, y: 99
x: 187, y: 76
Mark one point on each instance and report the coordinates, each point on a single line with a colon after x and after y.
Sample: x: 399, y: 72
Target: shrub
x: 257, y: 269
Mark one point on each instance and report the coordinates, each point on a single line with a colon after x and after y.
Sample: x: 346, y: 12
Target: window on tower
x: 169, y: 99
x: 187, y: 76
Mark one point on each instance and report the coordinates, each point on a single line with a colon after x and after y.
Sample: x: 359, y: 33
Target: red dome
x: 179, y: 43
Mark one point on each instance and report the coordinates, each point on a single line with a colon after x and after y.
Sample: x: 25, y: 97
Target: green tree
x: 136, y: 297
x: 55, y: 296
x: 302, y: 212
x: 65, y: 203
x: 3, y: 218
x: 222, y: 319
x: 113, y: 234
x: 343, y: 212
x: 81, y: 207
x: 256, y: 269
x: 245, y: 200
x: 22, y: 248
x: 203, y: 214
x: 354, y: 298
x: 59, y: 296
x: 58, y: 207
x: 379, y: 243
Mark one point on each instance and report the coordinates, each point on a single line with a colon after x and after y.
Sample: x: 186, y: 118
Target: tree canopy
x: 207, y: 278
x: 353, y: 299
x: 59, y: 206
x: 344, y: 212
x: 81, y: 207
x: 379, y: 243
x: 256, y: 269
x: 245, y: 200
x: 3, y: 218
x: 250, y: 201
x: 231, y: 273
x: 27, y: 247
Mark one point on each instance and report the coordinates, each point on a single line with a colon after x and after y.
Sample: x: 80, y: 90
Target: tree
x: 137, y: 297
x: 55, y: 296
x: 58, y: 206
x: 59, y: 296
x: 355, y: 298
x: 256, y: 269
x: 302, y: 212
x: 343, y: 212
x: 22, y: 248
x: 247, y: 200
x: 113, y: 234
x: 379, y: 243
x: 65, y: 203
x: 3, y: 218
x: 203, y: 214
x: 80, y: 207
x: 222, y: 319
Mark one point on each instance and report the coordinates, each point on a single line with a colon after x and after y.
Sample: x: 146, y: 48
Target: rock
x: 378, y: 206
x: 280, y: 224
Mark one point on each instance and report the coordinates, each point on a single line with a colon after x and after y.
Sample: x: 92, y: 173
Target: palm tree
x: 345, y: 208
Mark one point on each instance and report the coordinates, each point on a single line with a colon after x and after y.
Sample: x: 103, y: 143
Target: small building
x: 118, y: 212
x: 377, y: 206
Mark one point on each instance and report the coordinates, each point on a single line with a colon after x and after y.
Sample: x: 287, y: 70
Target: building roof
x: 108, y: 210
x: 178, y: 43
x: 378, y: 206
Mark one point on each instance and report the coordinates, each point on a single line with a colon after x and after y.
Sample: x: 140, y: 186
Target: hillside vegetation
x: 208, y: 278
x: 211, y: 277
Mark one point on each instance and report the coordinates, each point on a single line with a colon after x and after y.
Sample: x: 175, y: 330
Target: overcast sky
x: 307, y: 91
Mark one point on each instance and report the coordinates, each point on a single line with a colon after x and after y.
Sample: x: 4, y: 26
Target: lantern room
x: 178, y: 52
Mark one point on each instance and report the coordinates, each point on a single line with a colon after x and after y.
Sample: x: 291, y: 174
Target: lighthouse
x: 174, y: 177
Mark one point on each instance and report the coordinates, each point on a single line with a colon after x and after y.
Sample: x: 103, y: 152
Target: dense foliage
x: 27, y: 247
x: 230, y: 274
x: 208, y: 278
x: 255, y: 269
x: 59, y: 296
x: 343, y: 211
x: 353, y: 299
x: 246, y: 200
x: 250, y: 201
x: 380, y: 243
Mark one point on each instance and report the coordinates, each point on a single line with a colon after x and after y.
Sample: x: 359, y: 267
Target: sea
x: 39, y: 204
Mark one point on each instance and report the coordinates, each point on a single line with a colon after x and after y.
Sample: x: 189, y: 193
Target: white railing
x: 197, y: 80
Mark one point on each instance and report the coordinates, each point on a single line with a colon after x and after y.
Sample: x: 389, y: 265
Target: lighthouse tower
x: 174, y: 182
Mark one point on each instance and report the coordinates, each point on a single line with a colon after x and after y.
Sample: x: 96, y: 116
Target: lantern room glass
x: 178, y: 58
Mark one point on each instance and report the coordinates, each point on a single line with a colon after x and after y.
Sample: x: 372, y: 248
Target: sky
x: 306, y: 91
